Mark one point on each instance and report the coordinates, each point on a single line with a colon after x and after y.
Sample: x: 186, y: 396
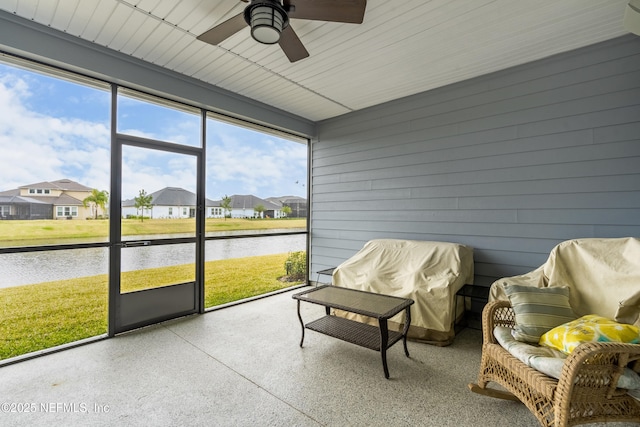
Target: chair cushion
x: 537, y: 310
x: 589, y: 328
x: 523, y: 351
x: 550, y: 361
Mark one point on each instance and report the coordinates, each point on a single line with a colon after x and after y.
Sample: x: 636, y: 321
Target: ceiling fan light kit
x: 267, y: 20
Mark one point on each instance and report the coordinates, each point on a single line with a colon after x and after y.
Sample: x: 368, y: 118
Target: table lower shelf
x: 351, y: 331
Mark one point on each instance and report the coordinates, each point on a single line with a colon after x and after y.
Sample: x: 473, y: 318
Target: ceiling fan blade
x: 291, y: 45
x: 221, y: 32
x: 350, y: 11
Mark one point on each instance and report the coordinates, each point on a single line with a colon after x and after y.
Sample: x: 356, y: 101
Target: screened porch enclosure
x: 71, y: 275
x: 529, y: 151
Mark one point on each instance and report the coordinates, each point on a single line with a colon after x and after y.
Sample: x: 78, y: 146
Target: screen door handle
x: 137, y: 243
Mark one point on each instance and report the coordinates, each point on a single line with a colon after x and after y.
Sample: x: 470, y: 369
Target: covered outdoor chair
x: 564, y: 338
x: 430, y: 273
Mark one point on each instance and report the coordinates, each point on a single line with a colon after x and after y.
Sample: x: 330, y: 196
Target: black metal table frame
x: 355, y: 332
x: 475, y: 293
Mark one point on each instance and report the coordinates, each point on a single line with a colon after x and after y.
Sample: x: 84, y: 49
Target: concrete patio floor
x: 242, y: 366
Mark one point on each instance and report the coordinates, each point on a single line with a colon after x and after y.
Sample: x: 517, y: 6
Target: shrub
x: 296, y: 265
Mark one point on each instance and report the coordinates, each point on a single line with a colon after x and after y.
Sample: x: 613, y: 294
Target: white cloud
x: 152, y: 170
x: 45, y: 136
x: 246, y: 162
x: 36, y: 147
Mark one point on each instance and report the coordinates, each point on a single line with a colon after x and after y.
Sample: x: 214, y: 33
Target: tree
x: 143, y: 201
x: 286, y: 210
x: 98, y: 199
x: 226, y: 206
x: 258, y: 209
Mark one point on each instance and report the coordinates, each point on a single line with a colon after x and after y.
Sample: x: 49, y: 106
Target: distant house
x: 169, y: 202
x: 243, y: 206
x: 297, y: 204
x: 14, y: 206
x: 61, y: 199
x: 174, y: 202
x: 214, y: 209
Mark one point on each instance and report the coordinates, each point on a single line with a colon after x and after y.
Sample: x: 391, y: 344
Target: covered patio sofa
x: 428, y: 272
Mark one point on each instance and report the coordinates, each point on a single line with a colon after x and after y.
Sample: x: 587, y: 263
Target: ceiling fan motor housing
x: 267, y: 19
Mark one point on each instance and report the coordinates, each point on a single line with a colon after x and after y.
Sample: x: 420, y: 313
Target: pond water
x: 36, y: 267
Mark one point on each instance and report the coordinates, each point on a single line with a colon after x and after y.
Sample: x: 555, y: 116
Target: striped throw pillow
x: 538, y: 310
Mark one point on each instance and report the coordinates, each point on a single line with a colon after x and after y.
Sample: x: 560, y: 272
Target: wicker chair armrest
x: 596, y: 363
x: 496, y: 313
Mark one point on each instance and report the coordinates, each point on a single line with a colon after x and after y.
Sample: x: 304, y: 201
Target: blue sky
x: 52, y: 129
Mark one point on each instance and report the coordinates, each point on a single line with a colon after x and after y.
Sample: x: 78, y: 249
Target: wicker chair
x: 603, y: 276
x: 584, y: 393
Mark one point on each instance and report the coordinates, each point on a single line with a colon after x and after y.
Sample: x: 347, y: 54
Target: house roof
x: 14, y: 192
x: 170, y: 196
x: 401, y: 48
x: 64, y: 184
x: 20, y: 199
x: 62, y: 200
x: 173, y: 196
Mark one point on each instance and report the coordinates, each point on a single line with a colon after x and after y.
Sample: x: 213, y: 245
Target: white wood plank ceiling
x: 402, y: 48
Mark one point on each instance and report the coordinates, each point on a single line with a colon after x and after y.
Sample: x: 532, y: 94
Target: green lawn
x: 39, y: 316
x: 44, y: 315
x: 36, y: 232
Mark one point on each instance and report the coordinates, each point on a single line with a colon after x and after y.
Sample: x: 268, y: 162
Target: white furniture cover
x: 603, y: 276
x: 430, y: 273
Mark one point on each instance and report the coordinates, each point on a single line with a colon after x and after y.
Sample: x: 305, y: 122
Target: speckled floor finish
x: 242, y: 366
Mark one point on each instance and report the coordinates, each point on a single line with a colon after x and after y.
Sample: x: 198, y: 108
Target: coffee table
x: 378, y: 306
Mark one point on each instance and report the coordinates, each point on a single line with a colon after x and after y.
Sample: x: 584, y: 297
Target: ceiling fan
x: 269, y: 21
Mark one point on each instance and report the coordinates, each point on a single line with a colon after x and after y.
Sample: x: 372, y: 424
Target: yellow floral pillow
x: 589, y: 328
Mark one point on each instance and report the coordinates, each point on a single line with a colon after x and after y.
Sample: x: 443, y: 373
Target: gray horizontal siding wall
x: 511, y: 163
